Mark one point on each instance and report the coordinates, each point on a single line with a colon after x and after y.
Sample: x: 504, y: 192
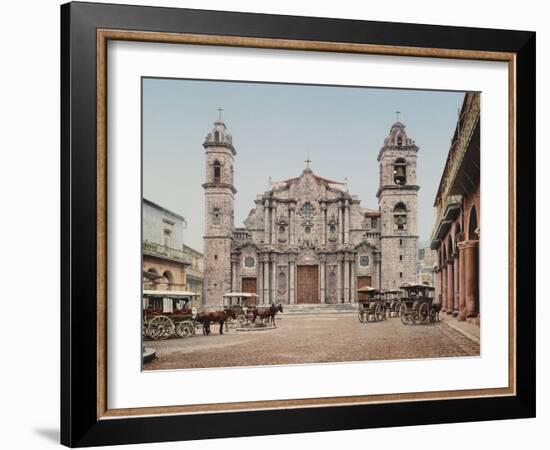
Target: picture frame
x: 86, y: 28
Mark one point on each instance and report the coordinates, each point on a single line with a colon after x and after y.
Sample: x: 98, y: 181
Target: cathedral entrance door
x: 364, y: 281
x: 307, y: 284
x: 249, y: 285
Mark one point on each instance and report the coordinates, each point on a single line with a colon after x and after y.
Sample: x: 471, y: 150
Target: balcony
x: 162, y: 251
x: 241, y: 234
x: 461, y: 170
x: 372, y: 235
x: 447, y: 214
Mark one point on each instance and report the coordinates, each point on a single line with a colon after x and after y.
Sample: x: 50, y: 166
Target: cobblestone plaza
x: 314, y: 338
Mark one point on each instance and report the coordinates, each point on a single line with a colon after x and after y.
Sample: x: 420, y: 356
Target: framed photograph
x: 277, y: 224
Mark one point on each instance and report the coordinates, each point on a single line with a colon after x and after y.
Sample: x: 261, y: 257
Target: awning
x: 369, y: 289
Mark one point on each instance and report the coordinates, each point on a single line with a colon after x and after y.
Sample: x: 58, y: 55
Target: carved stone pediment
x: 307, y: 256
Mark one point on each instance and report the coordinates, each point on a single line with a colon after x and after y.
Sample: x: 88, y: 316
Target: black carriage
x: 370, y: 305
x: 166, y: 314
x: 394, y: 302
x: 243, y: 304
x: 418, y: 305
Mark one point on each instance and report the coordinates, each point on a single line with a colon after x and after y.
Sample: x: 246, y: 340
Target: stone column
x: 353, y: 283
x: 346, y: 280
x: 291, y: 225
x: 273, y: 224
x: 450, y: 286
x: 438, y: 280
x: 461, y: 278
x: 470, y: 253
x: 291, y: 277
x: 323, y: 223
x: 273, y: 279
x: 456, y: 294
x: 340, y: 224
x: 267, y: 223
x: 444, y: 285
x: 437, y: 283
x: 377, y: 269
x: 233, y: 275
x: 260, y: 281
x: 339, y: 281
x: 322, y: 268
x: 347, y: 217
x: 266, y: 281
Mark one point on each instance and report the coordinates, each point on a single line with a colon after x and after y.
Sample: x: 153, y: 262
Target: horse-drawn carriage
x: 371, y: 305
x: 166, y: 314
x: 418, y: 305
x: 393, y: 302
x: 243, y: 304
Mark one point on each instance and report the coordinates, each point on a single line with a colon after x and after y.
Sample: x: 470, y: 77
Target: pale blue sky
x: 275, y: 127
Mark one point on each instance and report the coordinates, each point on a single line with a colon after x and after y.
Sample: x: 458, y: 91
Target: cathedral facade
x: 307, y: 239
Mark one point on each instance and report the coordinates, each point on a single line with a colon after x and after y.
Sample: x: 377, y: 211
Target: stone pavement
x: 468, y: 329
x: 307, y: 338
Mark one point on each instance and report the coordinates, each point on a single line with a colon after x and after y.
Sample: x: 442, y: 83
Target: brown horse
x: 208, y: 317
x: 273, y: 312
x: 267, y: 312
x: 262, y: 312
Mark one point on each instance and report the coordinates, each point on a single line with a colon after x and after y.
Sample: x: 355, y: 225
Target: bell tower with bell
x: 219, y: 199
x: 397, y: 199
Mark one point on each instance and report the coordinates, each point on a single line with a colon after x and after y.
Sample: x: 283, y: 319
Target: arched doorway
x: 167, y: 275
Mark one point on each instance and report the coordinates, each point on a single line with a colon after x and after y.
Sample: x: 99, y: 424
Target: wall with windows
x: 162, y: 226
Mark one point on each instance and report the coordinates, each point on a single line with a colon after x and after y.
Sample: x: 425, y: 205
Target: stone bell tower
x: 219, y: 198
x: 397, y: 200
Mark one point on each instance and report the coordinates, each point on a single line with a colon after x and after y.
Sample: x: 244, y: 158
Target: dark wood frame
x: 85, y: 29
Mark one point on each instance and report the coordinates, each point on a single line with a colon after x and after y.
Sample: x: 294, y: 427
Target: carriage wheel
x: 230, y: 323
x: 182, y: 329
x: 190, y: 326
x: 394, y: 311
x: 401, y: 309
x: 424, y: 313
x: 414, y: 316
x: 161, y: 327
x: 433, y: 315
x: 241, y: 319
x: 404, y: 316
x: 379, y: 313
x: 185, y: 329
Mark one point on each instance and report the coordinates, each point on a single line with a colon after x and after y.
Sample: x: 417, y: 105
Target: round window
x: 364, y: 261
